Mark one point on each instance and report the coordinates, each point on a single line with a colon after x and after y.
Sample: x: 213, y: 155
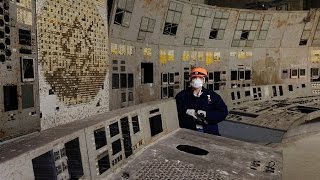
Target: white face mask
x: 197, y: 83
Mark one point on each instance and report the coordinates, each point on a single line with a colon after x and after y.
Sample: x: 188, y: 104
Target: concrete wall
x: 73, y: 60
x: 19, y: 91
x: 279, y: 44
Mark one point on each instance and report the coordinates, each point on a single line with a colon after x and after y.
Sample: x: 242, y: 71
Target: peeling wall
x: 73, y: 60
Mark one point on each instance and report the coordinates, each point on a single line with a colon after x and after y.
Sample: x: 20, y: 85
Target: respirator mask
x: 197, y: 82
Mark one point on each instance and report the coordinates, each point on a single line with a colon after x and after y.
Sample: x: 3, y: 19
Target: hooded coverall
x: 209, y: 101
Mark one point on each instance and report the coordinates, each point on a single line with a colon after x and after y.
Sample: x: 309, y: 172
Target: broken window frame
x: 217, y: 27
x: 23, y: 69
x: 126, y: 13
x: 174, y: 23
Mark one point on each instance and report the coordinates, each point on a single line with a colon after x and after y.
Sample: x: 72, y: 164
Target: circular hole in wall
x: 1, y: 34
x: 2, y: 57
x: 7, y: 41
x: 2, y: 46
x: 192, y: 150
x: 1, y: 22
x: 6, y: 18
x: 6, y: 6
x: 8, y: 52
x: 7, y: 29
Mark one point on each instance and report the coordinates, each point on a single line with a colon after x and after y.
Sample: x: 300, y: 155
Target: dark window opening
x: 72, y: 151
x: 126, y: 136
x: 314, y: 72
x: 210, y: 86
x: 123, y: 80
x: 118, y: 16
x: 27, y: 96
x: 100, y: 138
x: 170, y: 29
x: 25, y: 51
x: 234, y: 75
x: 247, y: 93
x: 164, y: 92
x: 274, y: 88
x: 123, y: 97
x: 130, y: 96
x: 254, y: 90
x: 10, y: 94
x: 216, y: 86
x: 130, y: 81
x: 210, y: 76
x: 164, y: 78
x: 192, y: 150
x: 280, y: 91
x: 294, y: 73
x: 170, y: 91
x: 154, y: 111
x: 303, y: 42
x: 27, y: 69
x: 217, y: 77
x: 213, y: 34
x: 302, y: 72
x: 171, y: 78
x: 115, y: 81
x: 103, y: 162
x: 241, y: 75
x: 116, y: 147
x: 303, y: 85
x: 135, y: 124
x: 244, y: 35
x: 155, y: 125
x: 25, y: 37
x: 44, y: 167
x: 146, y: 73
x: 290, y: 87
x: 114, y: 129
x: 232, y: 96
x: 247, y: 75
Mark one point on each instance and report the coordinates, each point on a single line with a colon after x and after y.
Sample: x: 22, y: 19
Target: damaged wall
x: 240, y: 48
x: 19, y: 94
x: 73, y: 60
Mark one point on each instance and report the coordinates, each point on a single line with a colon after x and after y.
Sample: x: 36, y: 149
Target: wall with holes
x: 19, y: 95
x: 240, y: 48
x: 89, y: 149
x: 73, y: 60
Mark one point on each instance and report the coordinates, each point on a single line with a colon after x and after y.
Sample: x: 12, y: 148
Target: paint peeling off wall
x: 73, y: 60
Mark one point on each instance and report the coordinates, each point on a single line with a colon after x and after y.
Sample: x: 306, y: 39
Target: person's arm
x: 220, y: 111
x: 180, y: 104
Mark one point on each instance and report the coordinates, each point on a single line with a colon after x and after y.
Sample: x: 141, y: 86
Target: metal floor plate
x: 226, y: 159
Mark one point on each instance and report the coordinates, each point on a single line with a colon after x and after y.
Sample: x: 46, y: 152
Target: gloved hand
x: 191, y: 112
x: 202, y: 113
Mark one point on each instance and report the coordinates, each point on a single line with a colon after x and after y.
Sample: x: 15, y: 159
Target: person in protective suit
x: 199, y: 108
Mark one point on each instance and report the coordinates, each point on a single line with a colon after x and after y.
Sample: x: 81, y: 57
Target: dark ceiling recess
x: 263, y: 4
